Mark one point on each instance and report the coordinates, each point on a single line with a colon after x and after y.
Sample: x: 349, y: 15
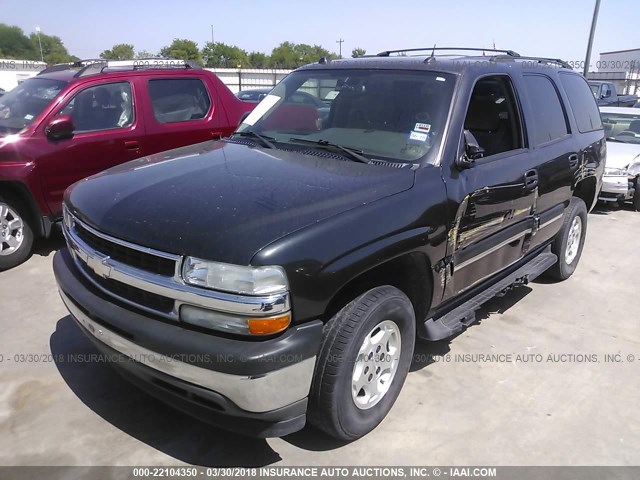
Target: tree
x: 259, y: 60
x: 145, y: 54
x: 182, y: 49
x: 358, y: 52
x: 120, y: 51
x: 16, y: 45
x: 53, y: 49
x: 293, y: 55
x: 220, y: 54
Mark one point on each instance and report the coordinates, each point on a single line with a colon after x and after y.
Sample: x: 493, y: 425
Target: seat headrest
x: 482, y: 115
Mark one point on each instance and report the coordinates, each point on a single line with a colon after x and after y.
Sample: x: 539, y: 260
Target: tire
x: 564, y: 245
x: 16, y: 234
x: 636, y: 196
x: 335, y: 406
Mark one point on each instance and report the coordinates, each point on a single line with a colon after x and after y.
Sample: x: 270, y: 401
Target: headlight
x: 234, y: 278
x: 616, y: 172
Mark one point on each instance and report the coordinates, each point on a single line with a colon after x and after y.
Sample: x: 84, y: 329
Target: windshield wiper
x: 264, y: 140
x: 355, y: 155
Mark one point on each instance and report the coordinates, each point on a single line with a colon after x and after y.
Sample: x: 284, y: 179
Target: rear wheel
x: 364, y: 359
x: 16, y: 235
x: 569, y: 240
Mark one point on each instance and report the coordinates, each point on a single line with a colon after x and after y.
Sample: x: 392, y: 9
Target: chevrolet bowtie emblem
x: 100, y: 266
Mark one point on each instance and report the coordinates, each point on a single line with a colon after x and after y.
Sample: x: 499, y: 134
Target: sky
x: 552, y: 28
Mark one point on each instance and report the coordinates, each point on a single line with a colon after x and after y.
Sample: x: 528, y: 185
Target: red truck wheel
x: 16, y: 235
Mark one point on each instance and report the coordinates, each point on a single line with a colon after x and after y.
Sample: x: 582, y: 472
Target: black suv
x: 284, y: 273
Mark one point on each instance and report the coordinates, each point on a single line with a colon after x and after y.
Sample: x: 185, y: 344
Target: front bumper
x: 616, y: 188
x: 253, y: 387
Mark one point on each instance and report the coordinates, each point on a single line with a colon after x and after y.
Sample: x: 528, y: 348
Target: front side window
x: 179, y: 99
x: 493, y: 117
x: 102, y: 107
x: 388, y: 115
x: 622, y: 127
x: 20, y: 106
x: 550, y: 122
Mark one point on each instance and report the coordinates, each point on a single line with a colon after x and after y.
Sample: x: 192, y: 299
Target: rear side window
x: 582, y: 102
x: 548, y: 114
x: 179, y: 99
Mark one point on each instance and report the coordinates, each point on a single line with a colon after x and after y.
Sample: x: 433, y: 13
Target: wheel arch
x: 586, y: 189
x: 411, y: 273
x: 21, y: 192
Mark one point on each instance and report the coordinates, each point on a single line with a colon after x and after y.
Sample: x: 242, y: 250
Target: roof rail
x: 433, y: 49
x: 99, y: 65
x: 545, y: 60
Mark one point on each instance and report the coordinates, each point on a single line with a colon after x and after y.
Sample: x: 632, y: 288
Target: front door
x: 108, y: 131
x: 494, y: 218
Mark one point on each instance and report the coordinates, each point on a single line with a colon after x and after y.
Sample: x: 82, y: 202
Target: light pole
x: 211, y: 34
x: 39, y: 42
x: 591, y: 34
x: 341, y: 41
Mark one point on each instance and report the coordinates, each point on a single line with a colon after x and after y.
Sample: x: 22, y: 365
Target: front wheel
x: 16, y: 236
x: 364, y: 359
x: 636, y: 196
x: 569, y: 240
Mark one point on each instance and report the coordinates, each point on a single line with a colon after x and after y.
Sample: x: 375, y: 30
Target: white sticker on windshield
x: 422, y: 127
x: 331, y: 95
x: 263, y: 107
x: 28, y: 117
x: 419, y: 136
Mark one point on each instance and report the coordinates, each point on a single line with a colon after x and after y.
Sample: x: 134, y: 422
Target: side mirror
x: 60, y: 128
x: 472, y: 151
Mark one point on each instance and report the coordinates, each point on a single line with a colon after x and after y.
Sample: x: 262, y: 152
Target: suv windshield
x: 391, y: 115
x: 622, y: 127
x: 21, y: 105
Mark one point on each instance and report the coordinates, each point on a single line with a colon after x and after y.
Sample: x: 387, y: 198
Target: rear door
x: 557, y: 153
x: 108, y: 131
x: 181, y: 111
x: 495, y: 215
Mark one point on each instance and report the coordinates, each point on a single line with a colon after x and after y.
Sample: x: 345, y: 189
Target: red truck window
x: 101, y: 107
x: 179, y: 100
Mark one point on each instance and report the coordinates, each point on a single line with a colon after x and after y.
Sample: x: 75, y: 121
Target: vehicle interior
x: 622, y: 126
x: 103, y: 107
x: 492, y: 116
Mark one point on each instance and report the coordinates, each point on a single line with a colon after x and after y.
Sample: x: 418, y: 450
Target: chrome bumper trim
x: 171, y: 287
x: 264, y: 393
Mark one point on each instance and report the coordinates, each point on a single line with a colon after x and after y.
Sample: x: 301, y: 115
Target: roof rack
x: 545, y: 60
x: 94, y: 66
x: 433, y: 49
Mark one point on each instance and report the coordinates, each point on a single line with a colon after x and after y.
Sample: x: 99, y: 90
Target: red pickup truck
x: 74, y: 120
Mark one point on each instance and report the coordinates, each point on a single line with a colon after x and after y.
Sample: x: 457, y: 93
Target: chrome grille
x: 125, y: 254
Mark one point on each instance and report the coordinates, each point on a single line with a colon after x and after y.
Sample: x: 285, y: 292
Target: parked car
x: 253, y: 95
x: 282, y: 275
x: 621, y: 180
x: 605, y: 93
x: 300, y: 98
x: 74, y: 120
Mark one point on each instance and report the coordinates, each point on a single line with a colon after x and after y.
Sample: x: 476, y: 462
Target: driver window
x: 493, y: 117
x: 102, y: 107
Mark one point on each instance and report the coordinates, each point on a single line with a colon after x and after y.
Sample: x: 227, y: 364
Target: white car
x: 622, y: 172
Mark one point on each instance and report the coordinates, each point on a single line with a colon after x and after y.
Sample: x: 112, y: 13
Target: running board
x: 464, y: 315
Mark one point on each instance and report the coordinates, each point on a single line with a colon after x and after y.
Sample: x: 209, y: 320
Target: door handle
x: 132, y: 145
x: 573, y: 160
x: 530, y: 180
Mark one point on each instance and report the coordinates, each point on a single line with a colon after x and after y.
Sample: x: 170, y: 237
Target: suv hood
x: 222, y: 201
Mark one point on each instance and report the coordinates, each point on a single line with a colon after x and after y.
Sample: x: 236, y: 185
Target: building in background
x: 621, y: 67
x: 14, y: 72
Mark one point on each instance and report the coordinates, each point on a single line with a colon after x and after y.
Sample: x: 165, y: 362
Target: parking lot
x: 546, y: 376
